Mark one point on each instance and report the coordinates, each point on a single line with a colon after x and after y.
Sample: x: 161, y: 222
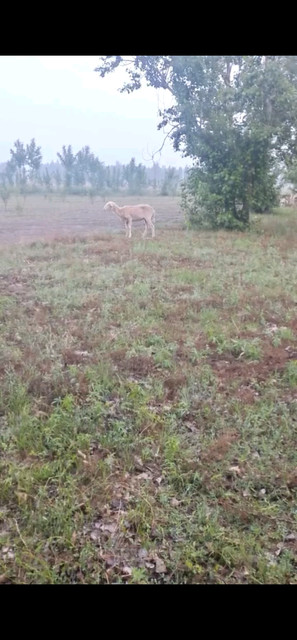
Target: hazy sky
x: 60, y: 100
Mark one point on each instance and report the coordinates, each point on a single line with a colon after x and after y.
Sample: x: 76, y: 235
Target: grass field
x: 148, y: 409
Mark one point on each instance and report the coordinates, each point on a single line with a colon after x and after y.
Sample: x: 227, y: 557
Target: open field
x: 38, y: 217
x: 148, y: 403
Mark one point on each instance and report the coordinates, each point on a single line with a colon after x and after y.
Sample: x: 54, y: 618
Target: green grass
x: 148, y: 408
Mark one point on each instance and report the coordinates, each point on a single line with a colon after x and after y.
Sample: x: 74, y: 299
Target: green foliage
x: 206, y: 209
x: 291, y: 373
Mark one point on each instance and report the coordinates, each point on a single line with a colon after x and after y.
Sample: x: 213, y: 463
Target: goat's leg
x: 130, y: 228
x: 145, y: 229
x: 152, y: 227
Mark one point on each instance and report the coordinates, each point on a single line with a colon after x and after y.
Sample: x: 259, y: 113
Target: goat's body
x: 128, y: 213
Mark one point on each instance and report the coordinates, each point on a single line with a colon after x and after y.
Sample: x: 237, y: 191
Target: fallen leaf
x: 81, y: 454
x: 175, y: 502
x: 160, y: 565
x: 144, y: 476
x: 127, y: 571
x: 190, y: 426
x: 291, y: 536
x: 159, y: 480
x: 110, y: 561
x: 82, y: 353
x: 8, y: 553
x: 280, y: 547
x: 117, y: 504
x: 235, y: 469
x: 111, y: 528
x: 270, y: 557
x: 3, y: 578
x: 22, y: 496
x: 94, y: 535
x: 138, y: 462
x: 271, y: 328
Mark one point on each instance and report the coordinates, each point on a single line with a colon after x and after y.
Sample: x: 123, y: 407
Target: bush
x: 204, y: 209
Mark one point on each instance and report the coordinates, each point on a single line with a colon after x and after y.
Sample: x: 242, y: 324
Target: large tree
x: 235, y: 116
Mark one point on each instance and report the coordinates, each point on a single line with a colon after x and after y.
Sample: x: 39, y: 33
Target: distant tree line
x: 82, y: 173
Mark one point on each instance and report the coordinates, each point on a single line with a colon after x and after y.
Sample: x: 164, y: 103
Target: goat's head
x: 109, y: 206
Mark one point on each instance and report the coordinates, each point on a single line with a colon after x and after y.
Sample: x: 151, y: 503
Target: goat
x: 134, y: 212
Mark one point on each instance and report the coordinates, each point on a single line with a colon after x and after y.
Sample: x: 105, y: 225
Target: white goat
x: 134, y: 212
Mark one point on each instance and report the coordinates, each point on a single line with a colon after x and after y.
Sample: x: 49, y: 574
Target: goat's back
x: 139, y: 211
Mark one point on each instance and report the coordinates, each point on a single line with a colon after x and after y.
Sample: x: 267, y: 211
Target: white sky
x: 60, y: 100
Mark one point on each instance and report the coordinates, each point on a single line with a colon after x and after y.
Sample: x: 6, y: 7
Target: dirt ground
x: 40, y: 218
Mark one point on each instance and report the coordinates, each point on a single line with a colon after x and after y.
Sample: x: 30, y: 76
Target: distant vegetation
x: 82, y: 173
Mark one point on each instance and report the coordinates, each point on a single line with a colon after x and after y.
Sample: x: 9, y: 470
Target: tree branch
x: 152, y: 156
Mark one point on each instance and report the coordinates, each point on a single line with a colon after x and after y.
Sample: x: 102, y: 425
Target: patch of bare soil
x: 138, y: 366
x: 173, y: 385
x: 219, y: 447
x: 181, y: 309
x: 14, y: 284
x: 110, y: 251
x: 76, y: 356
x: 229, y: 368
x: 186, y: 261
x: 254, y: 305
x: 182, y: 288
x: 46, y: 389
